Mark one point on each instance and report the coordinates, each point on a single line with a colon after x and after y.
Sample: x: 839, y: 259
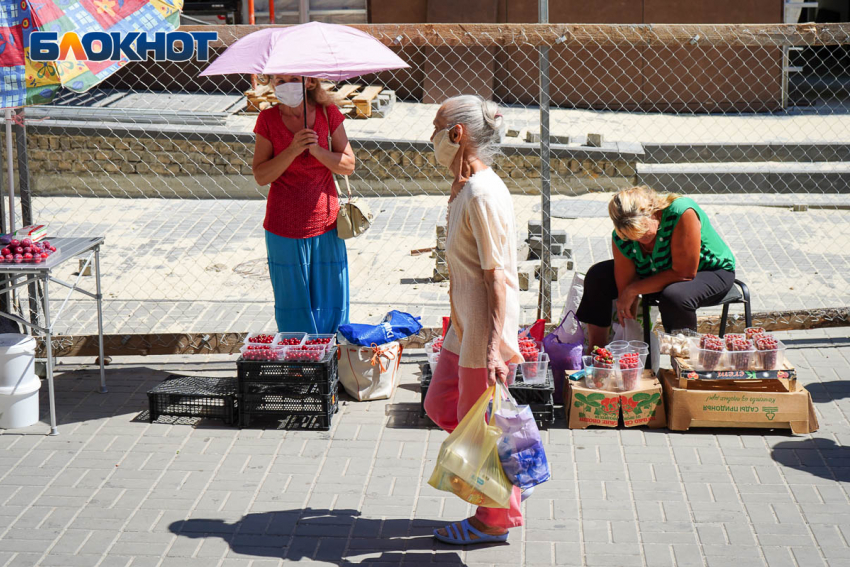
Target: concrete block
x: 532, y: 137
x: 527, y: 271
x: 594, y: 140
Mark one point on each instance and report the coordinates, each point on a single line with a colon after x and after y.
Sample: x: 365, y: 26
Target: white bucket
x: 19, y: 406
x: 18, y: 383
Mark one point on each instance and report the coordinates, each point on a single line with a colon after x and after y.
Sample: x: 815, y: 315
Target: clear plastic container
x: 289, y: 339
x: 433, y: 359
x: 631, y: 378
x: 702, y: 359
x: 429, y: 346
x: 602, y: 378
x: 329, y: 340
x: 255, y: 338
x: 535, y: 372
x: 272, y: 353
x: 318, y: 353
x: 741, y: 359
x: 677, y: 343
x: 771, y: 359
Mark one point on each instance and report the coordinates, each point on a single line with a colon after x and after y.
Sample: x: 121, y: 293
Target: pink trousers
x: 452, y: 393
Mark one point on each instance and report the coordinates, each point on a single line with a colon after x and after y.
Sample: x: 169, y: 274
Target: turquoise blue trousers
x: 310, y: 282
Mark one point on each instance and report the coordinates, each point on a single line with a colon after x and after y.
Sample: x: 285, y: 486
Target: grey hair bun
x: 492, y: 116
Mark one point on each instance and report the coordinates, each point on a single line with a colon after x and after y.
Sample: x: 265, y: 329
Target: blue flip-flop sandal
x: 457, y: 537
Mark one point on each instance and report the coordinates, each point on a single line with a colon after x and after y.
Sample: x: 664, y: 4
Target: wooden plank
x: 342, y: 95
x: 534, y: 35
x: 346, y: 91
x: 363, y: 101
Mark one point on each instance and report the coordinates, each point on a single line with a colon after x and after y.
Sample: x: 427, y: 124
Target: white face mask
x: 289, y: 94
x: 444, y: 149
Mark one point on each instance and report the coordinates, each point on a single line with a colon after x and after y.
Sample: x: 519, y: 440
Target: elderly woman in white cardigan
x: 481, y: 255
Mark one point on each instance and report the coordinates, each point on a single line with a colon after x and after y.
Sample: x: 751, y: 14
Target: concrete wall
x: 96, y: 165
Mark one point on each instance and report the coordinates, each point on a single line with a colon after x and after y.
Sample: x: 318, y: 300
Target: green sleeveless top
x: 714, y: 253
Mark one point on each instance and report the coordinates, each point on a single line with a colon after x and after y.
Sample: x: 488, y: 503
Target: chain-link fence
x: 752, y: 121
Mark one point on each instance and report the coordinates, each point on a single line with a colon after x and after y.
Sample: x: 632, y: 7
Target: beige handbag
x: 355, y: 216
x: 370, y: 373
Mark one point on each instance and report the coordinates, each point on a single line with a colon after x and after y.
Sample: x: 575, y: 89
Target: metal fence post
x: 544, y: 306
x: 26, y: 201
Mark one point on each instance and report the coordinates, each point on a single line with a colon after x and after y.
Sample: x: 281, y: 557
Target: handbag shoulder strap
x: 330, y: 148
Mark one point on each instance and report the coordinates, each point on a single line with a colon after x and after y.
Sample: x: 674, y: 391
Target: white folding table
x: 21, y: 275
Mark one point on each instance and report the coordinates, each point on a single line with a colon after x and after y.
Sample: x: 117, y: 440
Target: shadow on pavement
x: 340, y: 537
x: 822, y: 458
x: 829, y: 391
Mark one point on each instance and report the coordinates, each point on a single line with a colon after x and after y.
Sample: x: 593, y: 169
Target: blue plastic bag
x: 395, y: 326
x: 520, y: 447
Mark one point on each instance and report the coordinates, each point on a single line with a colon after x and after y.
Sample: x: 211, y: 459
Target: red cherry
x: 26, y: 242
x: 15, y: 243
x: 45, y: 242
x: 19, y: 250
x: 6, y: 252
x: 18, y: 258
x: 37, y: 260
x: 45, y: 255
x: 27, y: 256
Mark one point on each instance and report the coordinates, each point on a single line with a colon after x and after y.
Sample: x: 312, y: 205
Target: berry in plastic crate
x: 307, y: 353
x: 260, y: 338
x: 262, y: 352
x: 329, y: 340
x: 289, y: 339
x: 292, y: 378
x: 533, y: 372
x: 771, y: 352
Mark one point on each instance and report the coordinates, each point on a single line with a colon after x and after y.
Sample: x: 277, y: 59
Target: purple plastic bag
x: 563, y: 356
x: 520, y: 448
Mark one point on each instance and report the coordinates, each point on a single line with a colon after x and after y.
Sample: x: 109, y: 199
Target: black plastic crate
x: 544, y: 414
x: 194, y: 396
x: 296, y: 411
x: 525, y: 394
x: 291, y: 378
x: 531, y: 394
x: 289, y: 421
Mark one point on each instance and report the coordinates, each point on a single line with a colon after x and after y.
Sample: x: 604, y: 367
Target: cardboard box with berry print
x: 592, y: 407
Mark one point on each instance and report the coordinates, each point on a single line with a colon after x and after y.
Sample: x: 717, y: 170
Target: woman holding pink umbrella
x: 307, y: 260
x: 308, y: 263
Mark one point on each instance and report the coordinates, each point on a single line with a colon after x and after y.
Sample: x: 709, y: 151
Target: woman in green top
x: 663, y: 245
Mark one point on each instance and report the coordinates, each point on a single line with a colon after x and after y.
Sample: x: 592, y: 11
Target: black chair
x: 739, y: 293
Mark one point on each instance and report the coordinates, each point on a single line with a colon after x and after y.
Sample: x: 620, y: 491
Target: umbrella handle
x: 304, y: 101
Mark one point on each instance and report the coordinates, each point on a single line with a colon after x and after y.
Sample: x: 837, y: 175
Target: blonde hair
x: 631, y: 209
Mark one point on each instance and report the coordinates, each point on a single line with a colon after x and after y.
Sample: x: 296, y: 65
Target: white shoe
x: 526, y: 493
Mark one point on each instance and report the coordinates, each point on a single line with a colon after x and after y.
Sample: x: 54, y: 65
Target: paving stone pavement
x: 173, y: 266
x: 113, y: 490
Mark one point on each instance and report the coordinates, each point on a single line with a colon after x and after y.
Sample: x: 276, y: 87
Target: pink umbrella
x: 323, y: 51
